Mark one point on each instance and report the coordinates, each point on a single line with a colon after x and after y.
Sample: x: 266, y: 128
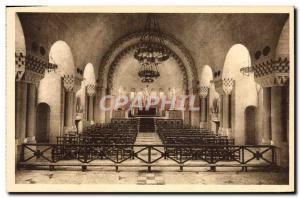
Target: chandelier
x: 152, y: 50
x: 148, y: 72
x: 246, y: 71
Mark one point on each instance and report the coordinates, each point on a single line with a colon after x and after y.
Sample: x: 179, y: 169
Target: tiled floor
x: 150, y: 179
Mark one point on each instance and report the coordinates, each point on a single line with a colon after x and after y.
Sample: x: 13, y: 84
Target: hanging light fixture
x: 248, y: 69
x: 148, y: 72
x: 152, y: 50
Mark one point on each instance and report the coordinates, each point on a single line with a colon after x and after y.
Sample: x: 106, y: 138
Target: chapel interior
x: 237, y: 66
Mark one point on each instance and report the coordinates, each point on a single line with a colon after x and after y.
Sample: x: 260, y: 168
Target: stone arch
x: 129, y: 42
x: 237, y: 57
x: 282, y: 49
x: 20, y: 49
x: 89, y: 74
x: 115, y: 64
x: 20, y: 46
x: 206, y: 76
x: 61, y: 55
x: 236, y: 86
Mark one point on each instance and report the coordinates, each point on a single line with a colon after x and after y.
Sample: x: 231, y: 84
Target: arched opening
x: 42, y: 123
x: 60, y: 83
x: 235, y: 87
x: 207, y: 93
x: 128, y: 43
x: 172, y: 78
x: 250, y: 125
x: 89, y: 93
x: 20, y: 87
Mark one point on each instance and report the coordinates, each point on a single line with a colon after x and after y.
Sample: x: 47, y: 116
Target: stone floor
x: 159, y: 176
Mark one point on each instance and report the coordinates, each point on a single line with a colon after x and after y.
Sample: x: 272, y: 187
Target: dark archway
x: 250, y: 125
x: 42, y: 123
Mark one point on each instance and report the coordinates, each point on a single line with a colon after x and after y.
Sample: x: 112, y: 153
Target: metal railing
x: 84, y: 155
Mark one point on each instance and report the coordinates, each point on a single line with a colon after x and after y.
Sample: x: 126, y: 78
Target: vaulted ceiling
x: 208, y: 37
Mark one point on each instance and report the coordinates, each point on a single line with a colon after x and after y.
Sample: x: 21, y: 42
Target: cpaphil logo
x: 181, y: 103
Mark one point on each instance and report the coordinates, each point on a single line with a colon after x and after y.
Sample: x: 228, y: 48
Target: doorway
x: 250, y: 125
x: 42, y: 123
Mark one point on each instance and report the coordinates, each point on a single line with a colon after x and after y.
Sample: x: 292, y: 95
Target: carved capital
x: 203, y: 91
x: 69, y: 81
x: 228, y: 85
x: 32, y: 77
x: 91, y: 90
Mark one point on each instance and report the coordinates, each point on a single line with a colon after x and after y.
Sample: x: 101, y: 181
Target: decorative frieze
x: 19, y: 65
x: 272, y: 73
x: 30, y: 69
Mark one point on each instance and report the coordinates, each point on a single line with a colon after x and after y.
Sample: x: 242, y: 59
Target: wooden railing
x: 54, y: 155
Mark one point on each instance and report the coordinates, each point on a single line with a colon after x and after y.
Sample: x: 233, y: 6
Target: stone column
x: 276, y: 115
x: 91, y: 109
x: 91, y: 91
x: 69, y: 82
x: 31, y: 113
x: 277, y: 125
x: 102, y: 112
x: 267, y: 135
x: 69, y: 101
x: 221, y: 114
x: 219, y: 89
x: 273, y: 76
x: 97, y: 116
x: 203, y: 106
x: 228, y: 88
x: 195, y: 114
x: 226, y: 114
x: 21, y: 109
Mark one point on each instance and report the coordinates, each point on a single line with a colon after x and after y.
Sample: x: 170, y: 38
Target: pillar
x: 203, y: 112
x: 203, y: 106
x: 275, y: 105
x: 91, y: 109
x: 267, y: 136
x: 227, y: 115
x: 21, y: 108
x: 97, y: 112
x: 195, y: 114
x: 69, y: 102
x: 221, y: 114
x: 276, y: 112
x: 277, y: 125
x: 228, y: 85
x: 31, y: 113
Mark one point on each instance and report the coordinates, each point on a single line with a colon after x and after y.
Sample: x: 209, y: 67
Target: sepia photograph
x: 150, y: 99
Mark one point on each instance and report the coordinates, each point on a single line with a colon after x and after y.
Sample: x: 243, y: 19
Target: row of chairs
x: 109, y: 133
x: 178, y: 133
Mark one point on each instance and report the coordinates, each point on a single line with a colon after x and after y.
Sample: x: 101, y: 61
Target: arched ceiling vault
x: 207, y: 37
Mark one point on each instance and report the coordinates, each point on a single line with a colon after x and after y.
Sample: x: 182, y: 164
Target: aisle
x: 148, y: 139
